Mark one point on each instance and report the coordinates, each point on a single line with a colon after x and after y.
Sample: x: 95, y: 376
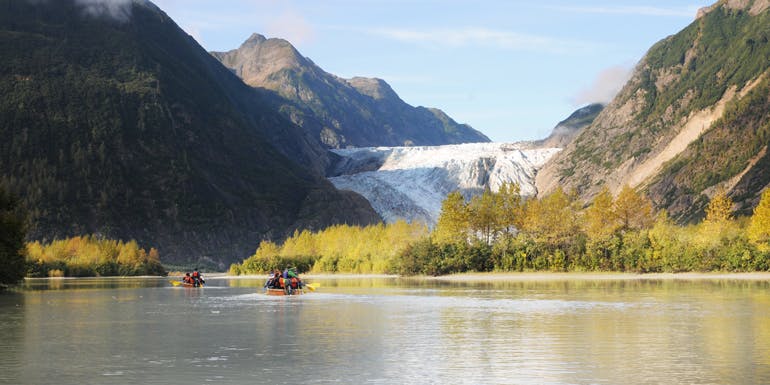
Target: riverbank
x: 530, y: 276
x: 547, y: 276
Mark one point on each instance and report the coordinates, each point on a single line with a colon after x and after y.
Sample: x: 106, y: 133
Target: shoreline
x: 600, y: 276
x: 533, y: 276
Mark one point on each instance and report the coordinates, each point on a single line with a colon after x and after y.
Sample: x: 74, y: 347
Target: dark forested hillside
x: 126, y: 127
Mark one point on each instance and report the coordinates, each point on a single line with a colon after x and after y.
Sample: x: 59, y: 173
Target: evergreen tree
x: 12, y: 233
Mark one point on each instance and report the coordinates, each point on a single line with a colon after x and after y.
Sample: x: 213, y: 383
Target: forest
x: 504, y: 232
x: 91, y: 256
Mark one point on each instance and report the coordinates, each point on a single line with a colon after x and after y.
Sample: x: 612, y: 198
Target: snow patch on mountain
x: 411, y: 182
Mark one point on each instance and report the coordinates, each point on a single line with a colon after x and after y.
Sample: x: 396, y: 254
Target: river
x: 387, y: 331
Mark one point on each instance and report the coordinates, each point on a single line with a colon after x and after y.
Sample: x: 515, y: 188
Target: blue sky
x: 511, y: 69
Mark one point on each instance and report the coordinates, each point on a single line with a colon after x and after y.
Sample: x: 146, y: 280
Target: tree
x: 759, y: 228
x: 720, y: 208
x: 600, y: 221
x: 511, y: 215
x: 12, y: 233
x: 452, y: 225
x: 632, y: 210
x: 552, y: 219
x: 484, y: 218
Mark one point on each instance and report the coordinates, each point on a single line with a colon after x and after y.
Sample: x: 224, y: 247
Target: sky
x: 511, y: 69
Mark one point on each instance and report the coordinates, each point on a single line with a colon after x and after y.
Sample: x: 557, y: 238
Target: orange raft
x: 282, y: 292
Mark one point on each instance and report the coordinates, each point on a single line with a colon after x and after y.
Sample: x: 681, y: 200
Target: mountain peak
x: 373, y: 87
x: 754, y: 7
x: 254, y: 40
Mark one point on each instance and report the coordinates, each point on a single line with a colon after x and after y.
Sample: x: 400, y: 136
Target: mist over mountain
x: 357, y: 112
x: 116, y: 122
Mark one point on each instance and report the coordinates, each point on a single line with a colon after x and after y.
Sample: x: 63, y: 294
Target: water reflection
x: 12, y: 325
x: 387, y: 330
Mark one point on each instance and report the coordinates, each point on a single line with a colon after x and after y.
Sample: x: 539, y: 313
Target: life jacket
x: 294, y: 283
x: 195, y: 274
x: 280, y: 283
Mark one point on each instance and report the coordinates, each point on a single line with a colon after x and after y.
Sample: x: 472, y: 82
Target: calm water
x: 386, y: 331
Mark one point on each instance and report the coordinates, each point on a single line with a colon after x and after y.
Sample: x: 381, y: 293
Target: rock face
x: 338, y: 112
x: 411, y: 182
x: 120, y: 124
x: 692, y: 119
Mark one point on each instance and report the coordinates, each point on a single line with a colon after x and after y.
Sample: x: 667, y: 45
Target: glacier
x: 410, y: 183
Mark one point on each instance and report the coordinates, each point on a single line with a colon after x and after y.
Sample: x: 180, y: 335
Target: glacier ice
x: 411, y: 182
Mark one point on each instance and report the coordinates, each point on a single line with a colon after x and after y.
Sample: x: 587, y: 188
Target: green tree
x: 452, y: 225
x: 759, y: 227
x: 12, y: 233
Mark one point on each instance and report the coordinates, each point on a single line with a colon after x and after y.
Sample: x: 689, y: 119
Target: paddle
x: 175, y: 283
x: 312, y: 286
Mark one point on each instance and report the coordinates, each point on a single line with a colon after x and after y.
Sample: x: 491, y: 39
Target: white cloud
x: 291, y: 26
x: 606, y: 85
x: 688, y: 11
x: 475, y: 36
x: 116, y: 9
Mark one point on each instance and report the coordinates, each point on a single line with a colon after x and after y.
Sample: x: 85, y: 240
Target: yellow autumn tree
x: 720, y: 208
x: 599, y: 219
x: 484, y: 216
x: 511, y: 207
x: 552, y: 219
x: 759, y: 227
x: 452, y: 225
x: 632, y: 210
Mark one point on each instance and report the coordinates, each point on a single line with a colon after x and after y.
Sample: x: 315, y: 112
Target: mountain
x: 569, y: 128
x: 116, y: 122
x: 338, y: 112
x: 411, y: 182
x: 693, y: 119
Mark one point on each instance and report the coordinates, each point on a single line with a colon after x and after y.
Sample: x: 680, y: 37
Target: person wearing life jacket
x: 187, y: 279
x: 291, y: 280
x: 274, y: 281
x: 197, y: 278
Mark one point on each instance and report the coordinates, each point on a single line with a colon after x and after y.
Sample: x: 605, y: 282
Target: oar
x: 312, y: 286
x: 175, y: 283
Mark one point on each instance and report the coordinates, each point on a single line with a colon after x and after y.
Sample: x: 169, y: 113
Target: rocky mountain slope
x: 568, y: 129
x: 116, y: 122
x: 411, y: 182
x: 338, y: 112
x: 692, y: 119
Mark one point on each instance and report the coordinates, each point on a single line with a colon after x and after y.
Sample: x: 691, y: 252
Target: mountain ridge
x: 357, y: 112
x: 690, y: 88
x: 129, y: 129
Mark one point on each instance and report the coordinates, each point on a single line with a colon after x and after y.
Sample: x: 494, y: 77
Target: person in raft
x: 197, y: 278
x: 187, y: 279
x: 291, y: 280
x: 274, y: 282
